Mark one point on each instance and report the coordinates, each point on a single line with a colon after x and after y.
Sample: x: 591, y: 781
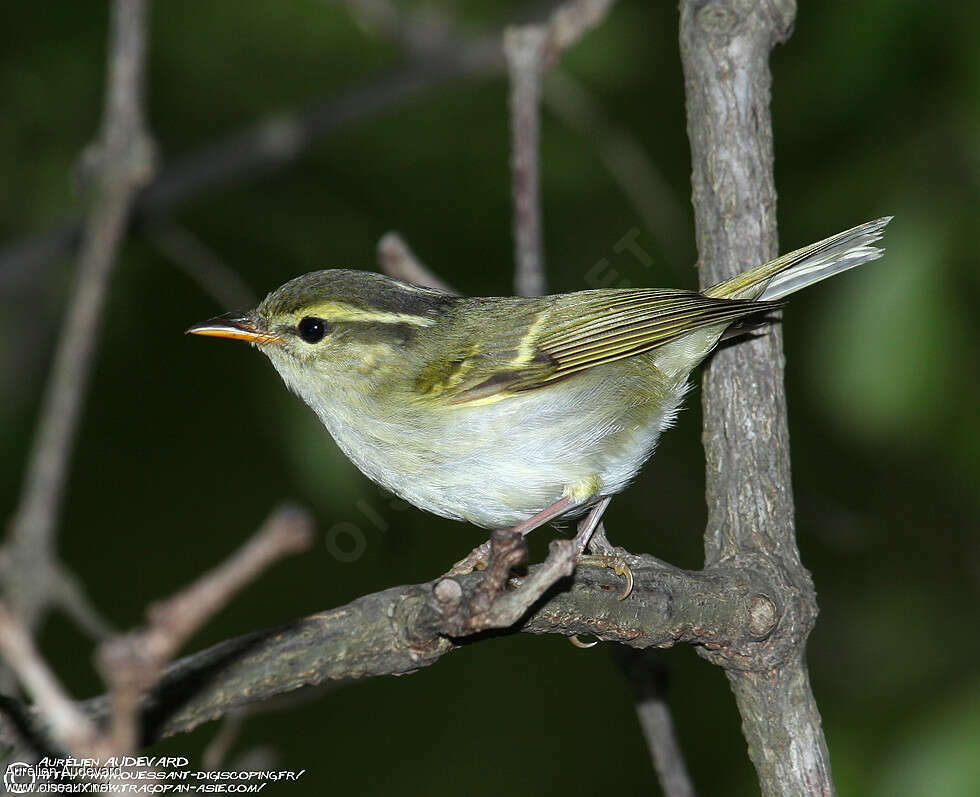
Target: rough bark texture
x: 403, y: 629
x: 725, y: 48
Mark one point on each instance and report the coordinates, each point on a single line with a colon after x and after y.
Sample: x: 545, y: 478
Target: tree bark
x: 403, y: 629
x: 725, y: 47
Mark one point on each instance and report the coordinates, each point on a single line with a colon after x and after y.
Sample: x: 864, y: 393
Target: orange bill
x: 241, y: 328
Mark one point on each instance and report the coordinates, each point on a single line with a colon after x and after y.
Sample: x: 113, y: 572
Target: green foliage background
x: 186, y: 444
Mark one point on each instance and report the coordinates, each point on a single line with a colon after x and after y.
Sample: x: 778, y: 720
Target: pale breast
x: 497, y: 464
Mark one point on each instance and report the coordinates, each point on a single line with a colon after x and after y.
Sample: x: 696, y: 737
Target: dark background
x: 186, y: 444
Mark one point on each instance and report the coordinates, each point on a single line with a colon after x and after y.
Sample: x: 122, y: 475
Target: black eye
x: 312, y: 329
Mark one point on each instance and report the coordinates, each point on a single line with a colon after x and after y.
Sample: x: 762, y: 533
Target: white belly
x: 497, y: 464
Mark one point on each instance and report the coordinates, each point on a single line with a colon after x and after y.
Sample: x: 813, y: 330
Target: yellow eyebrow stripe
x: 339, y: 311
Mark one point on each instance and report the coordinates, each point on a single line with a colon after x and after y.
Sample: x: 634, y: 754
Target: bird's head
x: 327, y: 329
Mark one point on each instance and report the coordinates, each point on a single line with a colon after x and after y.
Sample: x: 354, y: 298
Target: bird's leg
x: 592, y: 524
x: 477, y: 558
x: 587, y: 525
x: 600, y: 544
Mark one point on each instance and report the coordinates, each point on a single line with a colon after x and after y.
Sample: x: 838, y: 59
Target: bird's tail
x: 790, y: 273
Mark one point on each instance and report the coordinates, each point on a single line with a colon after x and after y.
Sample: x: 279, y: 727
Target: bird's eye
x: 311, y: 329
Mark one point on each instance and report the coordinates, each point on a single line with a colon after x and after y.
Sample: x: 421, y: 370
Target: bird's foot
x: 615, y: 563
x: 475, y: 560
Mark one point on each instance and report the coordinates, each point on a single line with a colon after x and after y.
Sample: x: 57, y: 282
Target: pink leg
x: 479, y: 554
x: 548, y: 513
x: 588, y: 524
x: 618, y: 565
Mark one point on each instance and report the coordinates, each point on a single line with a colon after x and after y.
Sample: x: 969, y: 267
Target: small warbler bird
x: 508, y: 412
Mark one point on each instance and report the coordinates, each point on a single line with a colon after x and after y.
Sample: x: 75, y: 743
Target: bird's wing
x: 560, y: 336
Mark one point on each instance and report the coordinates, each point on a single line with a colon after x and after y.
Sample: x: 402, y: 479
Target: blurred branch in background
x: 132, y: 663
x: 397, y: 260
x: 626, y: 161
x: 270, y: 144
x: 201, y: 264
x: 68, y: 726
x: 646, y: 671
x: 530, y: 50
x: 525, y: 49
x: 436, y: 53
x: 533, y: 49
x: 119, y: 164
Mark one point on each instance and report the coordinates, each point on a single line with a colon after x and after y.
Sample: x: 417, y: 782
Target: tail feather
x: 796, y: 270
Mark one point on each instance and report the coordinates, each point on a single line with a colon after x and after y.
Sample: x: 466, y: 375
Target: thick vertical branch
x: 725, y: 48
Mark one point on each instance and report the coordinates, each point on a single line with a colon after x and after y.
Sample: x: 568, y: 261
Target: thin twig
x: 646, y: 672
x: 122, y: 162
x: 530, y: 49
x: 626, y: 160
x: 67, y: 723
x: 271, y: 143
x: 397, y: 260
x: 199, y: 262
x: 525, y: 50
x: 287, y: 530
x: 218, y: 748
x: 491, y: 605
x: 132, y: 663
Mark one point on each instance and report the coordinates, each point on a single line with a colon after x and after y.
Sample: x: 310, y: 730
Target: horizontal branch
x: 733, y: 611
